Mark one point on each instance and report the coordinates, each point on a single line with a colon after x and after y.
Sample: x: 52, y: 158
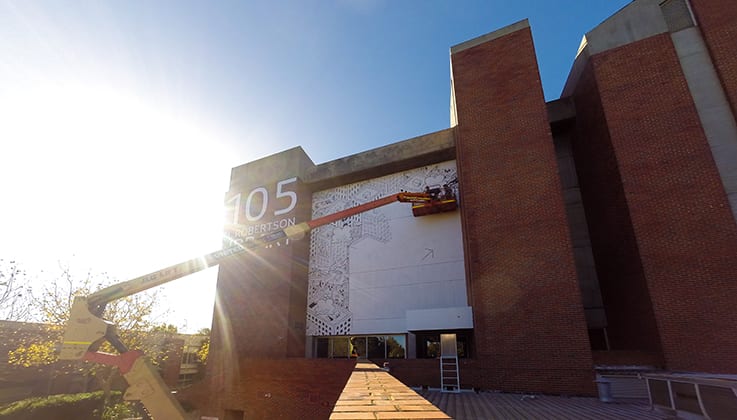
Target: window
x: 189, y: 358
x: 358, y: 348
x: 322, y: 347
x: 395, y: 347
x: 341, y: 348
x: 362, y: 347
x: 428, y: 344
x: 376, y: 347
x: 186, y: 378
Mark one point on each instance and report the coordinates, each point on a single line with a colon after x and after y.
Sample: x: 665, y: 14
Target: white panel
x: 368, y: 270
x: 440, y: 319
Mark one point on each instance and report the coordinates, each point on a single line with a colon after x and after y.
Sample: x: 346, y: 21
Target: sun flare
x: 106, y: 176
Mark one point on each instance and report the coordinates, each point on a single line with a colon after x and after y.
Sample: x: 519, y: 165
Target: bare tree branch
x: 15, y: 292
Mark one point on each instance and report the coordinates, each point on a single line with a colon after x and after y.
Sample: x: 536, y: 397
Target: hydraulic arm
x: 86, y: 329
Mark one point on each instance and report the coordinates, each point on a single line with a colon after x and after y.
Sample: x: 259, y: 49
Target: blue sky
x: 336, y: 77
x: 125, y: 117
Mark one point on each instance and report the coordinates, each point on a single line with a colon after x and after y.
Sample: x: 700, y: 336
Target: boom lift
x: 87, y: 330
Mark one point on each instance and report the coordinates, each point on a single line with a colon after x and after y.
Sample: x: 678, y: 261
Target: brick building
x: 596, y: 229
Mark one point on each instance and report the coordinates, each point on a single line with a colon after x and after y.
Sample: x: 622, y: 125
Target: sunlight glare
x: 102, y: 174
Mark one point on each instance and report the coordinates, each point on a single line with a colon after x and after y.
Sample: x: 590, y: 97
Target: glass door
x: 448, y: 347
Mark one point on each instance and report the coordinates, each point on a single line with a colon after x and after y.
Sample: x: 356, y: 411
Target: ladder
x: 449, y: 378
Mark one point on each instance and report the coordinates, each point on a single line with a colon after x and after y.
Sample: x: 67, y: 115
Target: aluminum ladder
x: 450, y: 380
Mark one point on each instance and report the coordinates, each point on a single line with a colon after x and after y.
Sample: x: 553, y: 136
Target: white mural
x: 366, y: 271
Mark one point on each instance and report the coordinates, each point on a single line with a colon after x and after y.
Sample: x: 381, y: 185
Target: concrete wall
x: 580, y: 238
x: 712, y: 106
x: 716, y: 22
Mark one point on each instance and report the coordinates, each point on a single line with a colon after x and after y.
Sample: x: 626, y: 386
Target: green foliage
x: 63, y: 406
x: 120, y: 411
x: 204, y: 350
x: 165, y: 328
x: 131, y: 315
x: 395, y: 350
x: 33, y: 354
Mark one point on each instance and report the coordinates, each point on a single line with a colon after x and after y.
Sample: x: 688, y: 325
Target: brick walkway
x: 494, y: 405
x: 373, y: 394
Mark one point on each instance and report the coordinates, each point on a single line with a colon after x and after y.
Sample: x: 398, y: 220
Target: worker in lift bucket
x: 447, y: 192
x: 432, y: 192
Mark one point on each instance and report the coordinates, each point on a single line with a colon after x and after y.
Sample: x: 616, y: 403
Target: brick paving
x: 372, y: 393
x: 496, y: 405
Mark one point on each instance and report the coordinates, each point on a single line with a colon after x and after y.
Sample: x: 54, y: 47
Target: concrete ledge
x: 490, y: 36
x: 408, y: 154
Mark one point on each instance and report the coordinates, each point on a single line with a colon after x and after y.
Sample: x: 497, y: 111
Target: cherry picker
x: 87, y: 330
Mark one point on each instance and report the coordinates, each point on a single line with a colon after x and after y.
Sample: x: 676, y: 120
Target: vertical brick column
x: 261, y: 298
x: 630, y: 319
x: 718, y: 24
x: 260, y: 295
x: 529, y: 326
x: 685, y: 233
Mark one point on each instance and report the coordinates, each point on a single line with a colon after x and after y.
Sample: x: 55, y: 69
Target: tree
x: 132, y: 315
x: 14, y: 292
x: 204, y: 349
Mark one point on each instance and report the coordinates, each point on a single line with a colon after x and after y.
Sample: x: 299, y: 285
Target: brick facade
x: 662, y: 234
x: 630, y: 319
x: 171, y: 365
x: 256, y: 294
x: 288, y: 388
x: 261, y: 299
x: 528, y: 317
x: 680, y: 217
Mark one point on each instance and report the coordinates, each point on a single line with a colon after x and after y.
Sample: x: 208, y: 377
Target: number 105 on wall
x: 256, y: 203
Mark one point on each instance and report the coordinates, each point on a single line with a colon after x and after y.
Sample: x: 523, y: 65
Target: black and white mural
x: 368, y: 270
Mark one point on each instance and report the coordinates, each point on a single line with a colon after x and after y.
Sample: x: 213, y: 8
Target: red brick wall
x: 528, y: 317
x: 259, y: 318
x: 261, y: 301
x: 262, y: 294
x: 289, y: 388
x: 476, y: 373
x: 297, y: 315
x: 628, y: 357
x: 631, y: 322
x: 417, y: 372
x: 718, y: 23
x: 685, y: 232
x: 172, y: 363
